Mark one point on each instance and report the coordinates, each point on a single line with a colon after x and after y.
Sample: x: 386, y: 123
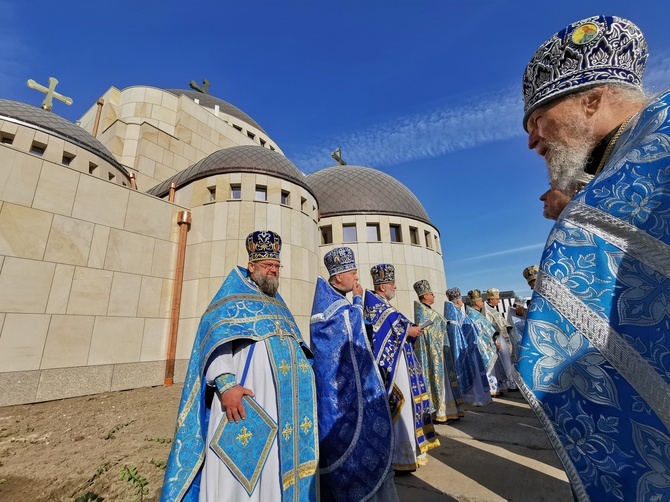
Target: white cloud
x: 444, y: 129
x: 515, y: 250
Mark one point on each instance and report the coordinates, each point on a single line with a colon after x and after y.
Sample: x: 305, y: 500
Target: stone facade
x: 87, y: 264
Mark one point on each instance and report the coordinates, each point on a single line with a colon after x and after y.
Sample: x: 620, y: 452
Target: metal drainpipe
x: 97, y: 117
x: 184, y: 222
x: 133, y: 183
x: 173, y: 187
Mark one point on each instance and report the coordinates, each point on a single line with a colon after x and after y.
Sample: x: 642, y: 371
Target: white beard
x: 567, y: 158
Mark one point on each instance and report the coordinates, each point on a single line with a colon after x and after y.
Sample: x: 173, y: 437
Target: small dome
x: 209, y: 101
x: 36, y: 118
x: 245, y: 158
x: 361, y: 190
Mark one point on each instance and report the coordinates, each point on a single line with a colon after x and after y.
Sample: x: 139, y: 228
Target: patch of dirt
x: 62, y: 450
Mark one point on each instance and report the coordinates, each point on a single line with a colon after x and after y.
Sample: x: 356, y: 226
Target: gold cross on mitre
x: 205, y: 86
x: 50, y: 92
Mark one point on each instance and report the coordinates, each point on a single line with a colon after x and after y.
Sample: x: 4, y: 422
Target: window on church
x: 38, y: 148
x: 262, y: 141
x: 6, y: 138
x: 67, y: 158
x: 235, y: 191
x: 414, y: 235
x: 285, y: 198
x: 237, y: 127
x: 327, y: 235
x: 372, y: 230
x: 303, y: 204
x: 111, y: 176
x: 261, y: 192
x: 349, y: 233
x: 396, y: 234
x: 272, y: 148
x: 437, y: 244
x: 251, y: 135
x: 212, y: 193
x: 429, y: 240
x: 92, y: 168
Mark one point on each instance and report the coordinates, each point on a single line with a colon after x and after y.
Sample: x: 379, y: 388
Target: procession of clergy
x: 263, y: 417
x: 339, y: 418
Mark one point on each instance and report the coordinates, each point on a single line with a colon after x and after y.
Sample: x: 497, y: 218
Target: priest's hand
x: 358, y: 290
x: 414, y: 331
x: 231, y: 401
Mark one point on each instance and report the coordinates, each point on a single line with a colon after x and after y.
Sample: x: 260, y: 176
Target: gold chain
x: 610, y: 145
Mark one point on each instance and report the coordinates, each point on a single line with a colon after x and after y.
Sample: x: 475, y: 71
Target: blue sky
x: 428, y: 92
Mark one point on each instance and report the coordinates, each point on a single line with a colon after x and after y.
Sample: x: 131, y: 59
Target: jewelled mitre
x: 593, y: 51
x: 530, y: 273
x: 492, y: 293
x: 263, y: 245
x: 453, y: 294
x: 384, y: 272
x: 422, y: 287
x: 474, y: 294
x: 339, y: 260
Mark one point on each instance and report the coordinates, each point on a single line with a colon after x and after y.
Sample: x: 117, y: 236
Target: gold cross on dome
x: 50, y: 92
x: 337, y: 155
x: 306, y: 425
x: 288, y: 430
x: 244, y: 436
x: 205, y: 86
x: 285, y: 368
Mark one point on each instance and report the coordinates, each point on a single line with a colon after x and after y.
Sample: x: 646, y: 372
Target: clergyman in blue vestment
x: 595, y: 355
x: 355, y: 428
x: 393, y: 336
x: 247, y: 425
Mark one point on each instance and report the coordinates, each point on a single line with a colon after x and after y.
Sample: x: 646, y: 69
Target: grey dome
x: 245, y: 158
x: 361, y: 190
x: 36, y: 118
x: 210, y: 101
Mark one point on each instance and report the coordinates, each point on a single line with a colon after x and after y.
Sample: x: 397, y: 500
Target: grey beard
x: 267, y: 285
x: 567, y: 162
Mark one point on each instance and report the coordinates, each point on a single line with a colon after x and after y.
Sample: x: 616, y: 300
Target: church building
x: 115, y: 233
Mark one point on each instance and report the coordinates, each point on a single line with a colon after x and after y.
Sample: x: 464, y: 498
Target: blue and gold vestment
x: 355, y: 429
x: 434, y: 350
x: 595, y: 355
x: 388, y: 330
x: 468, y: 362
x: 239, y: 311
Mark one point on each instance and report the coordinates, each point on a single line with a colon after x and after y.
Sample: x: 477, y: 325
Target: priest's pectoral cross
x: 205, y: 86
x: 50, y: 92
x: 278, y: 330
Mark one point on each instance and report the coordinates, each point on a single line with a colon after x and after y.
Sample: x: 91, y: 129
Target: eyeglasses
x: 270, y: 266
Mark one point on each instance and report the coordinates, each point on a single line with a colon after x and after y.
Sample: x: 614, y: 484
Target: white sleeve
x: 220, y: 362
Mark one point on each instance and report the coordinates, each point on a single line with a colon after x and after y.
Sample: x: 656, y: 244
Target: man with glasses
x: 355, y: 428
x: 247, y: 424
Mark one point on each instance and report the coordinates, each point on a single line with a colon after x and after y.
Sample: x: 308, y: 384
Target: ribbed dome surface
x: 245, y: 158
x: 361, y: 190
x: 49, y: 122
x: 209, y: 101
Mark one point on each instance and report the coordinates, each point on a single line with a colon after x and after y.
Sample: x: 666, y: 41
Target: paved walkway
x: 495, y: 453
